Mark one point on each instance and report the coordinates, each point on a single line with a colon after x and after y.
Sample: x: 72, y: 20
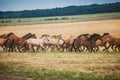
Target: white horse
x: 32, y: 43
x: 55, y: 42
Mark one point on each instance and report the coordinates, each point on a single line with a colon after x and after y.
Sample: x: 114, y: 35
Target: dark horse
x: 3, y: 39
x: 90, y: 43
x: 86, y: 40
x: 78, y: 42
x: 10, y: 41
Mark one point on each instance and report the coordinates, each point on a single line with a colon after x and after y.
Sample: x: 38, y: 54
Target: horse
x: 19, y: 42
x: 68, y: 43
x: 90, y: 42
x: 103, y: 41
x: 78, y: 42
x: 10, y: 41
x: 2, y: 41
x: 46, y: 41
x: 3, y: 35
x: 31, y: 43
x: 114, y: 42
x: 55, y: 42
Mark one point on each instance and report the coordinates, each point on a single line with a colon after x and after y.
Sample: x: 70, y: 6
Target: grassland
x: 60, y: 66
x: 59, y: 19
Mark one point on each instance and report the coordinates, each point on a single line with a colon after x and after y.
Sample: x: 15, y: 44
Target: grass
x: 23, y: 73
x: 60, y: 66
x: 59, y: 19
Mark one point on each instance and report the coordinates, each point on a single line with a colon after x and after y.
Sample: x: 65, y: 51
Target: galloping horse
x: 103, y: 41
x: 55, y: 42
x: 19, y: 42
x: 68, y: 43
x: 31, y: 43
x: 90, y: 42
x: 3, y: 39
x: 78, y: 42
x: 10, y: 42
x: 113, y: 42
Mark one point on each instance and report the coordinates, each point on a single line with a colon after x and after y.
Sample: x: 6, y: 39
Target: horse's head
x: 3, y: 35
x: 9, y: 34
x: 27, y: 36
x: 33, y: 36
x: 106, y: 37
x: 59, y: 36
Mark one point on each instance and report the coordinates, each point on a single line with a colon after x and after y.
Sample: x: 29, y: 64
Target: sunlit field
x: 57, y: 66
x: 61, y: 65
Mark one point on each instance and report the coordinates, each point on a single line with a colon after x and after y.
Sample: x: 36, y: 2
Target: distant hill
x: 65, y: 11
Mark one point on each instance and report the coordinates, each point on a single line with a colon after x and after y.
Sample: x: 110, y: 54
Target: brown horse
x: 3, y: 40
x: 113, y: 41
x: 2, y: 43
x: 10, y: 42
x: 78, y: 42
x: 90, y: 42
x: 68, y: 43
x: 19, y: 42
x: 103, y: 42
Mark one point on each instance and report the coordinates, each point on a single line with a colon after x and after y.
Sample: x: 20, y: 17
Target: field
x: 59, y: 19
x: 62, y: 65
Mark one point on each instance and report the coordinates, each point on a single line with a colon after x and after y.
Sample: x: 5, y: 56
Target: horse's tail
x: 24, y: 44
x: 73, y: 45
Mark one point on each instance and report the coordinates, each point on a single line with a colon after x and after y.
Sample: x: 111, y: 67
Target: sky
x: 17, y: 5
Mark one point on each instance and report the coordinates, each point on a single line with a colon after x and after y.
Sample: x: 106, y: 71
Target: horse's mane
x: 27, y: 35
x: 93, y: 36
x: 9, y: 34
x: 105, y: 34
x: 83, y: 35
x: 3, y: 35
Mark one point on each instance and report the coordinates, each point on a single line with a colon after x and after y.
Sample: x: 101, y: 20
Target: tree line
x: 65, y: 11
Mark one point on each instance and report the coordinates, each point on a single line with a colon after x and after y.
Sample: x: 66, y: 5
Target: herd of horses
x: 84, y: 42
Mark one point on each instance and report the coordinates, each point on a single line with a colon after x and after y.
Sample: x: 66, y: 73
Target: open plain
x: 62, y: 65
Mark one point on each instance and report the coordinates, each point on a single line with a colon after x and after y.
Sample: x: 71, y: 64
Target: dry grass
x: 100, y: 63
x: 66, y: 29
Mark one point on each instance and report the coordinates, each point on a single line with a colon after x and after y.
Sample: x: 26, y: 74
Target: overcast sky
x: 16, y: 5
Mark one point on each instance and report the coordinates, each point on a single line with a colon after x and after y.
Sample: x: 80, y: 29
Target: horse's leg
x: 90, y: 49
x: 108, y: 47
x: 97, y: 49
x: 43, y: 48
x: 38, y: 48
x: 33, y: 48
x: 3, y: 48
x: 18, y: 48
x: 119, y: 49
x: 105, y: 48
x: 113, y: 47
x: 116, y: 48
x: 51, y: 48
x: 58, y: 47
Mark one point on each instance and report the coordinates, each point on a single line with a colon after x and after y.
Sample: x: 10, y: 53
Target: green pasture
x: 60, y: 66
x: 59, y: 19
